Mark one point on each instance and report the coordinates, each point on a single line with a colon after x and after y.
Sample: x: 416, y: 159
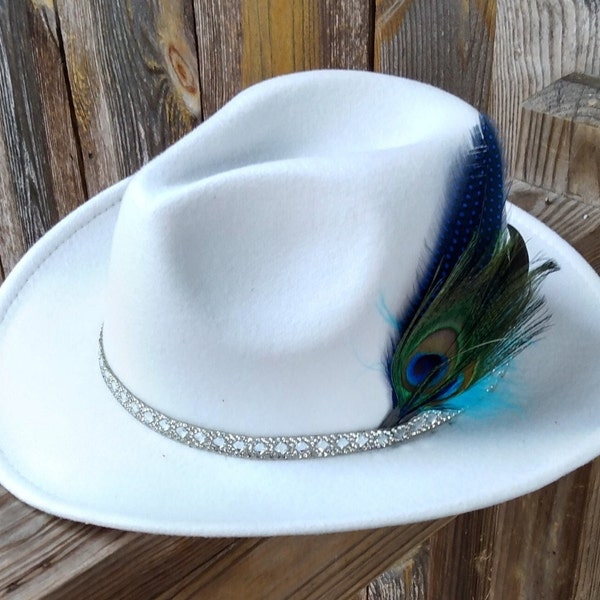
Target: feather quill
x: 478, y: 304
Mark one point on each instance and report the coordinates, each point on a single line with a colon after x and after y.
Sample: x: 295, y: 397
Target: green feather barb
x: 474, y: 321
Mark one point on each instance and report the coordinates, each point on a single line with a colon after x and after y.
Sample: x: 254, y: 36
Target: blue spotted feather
x: 478, y: 303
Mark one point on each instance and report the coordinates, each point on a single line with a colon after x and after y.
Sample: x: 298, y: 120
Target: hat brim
x: 68, y: 448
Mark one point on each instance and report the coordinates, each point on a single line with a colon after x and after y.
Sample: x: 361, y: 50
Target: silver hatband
x: 282, y: 447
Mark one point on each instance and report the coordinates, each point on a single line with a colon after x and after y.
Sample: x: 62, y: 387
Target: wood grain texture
x: 541, y: 561
x: 460, y: 558
x: 279, y: 38
x: 586, y: 578
x: 559, y: 144
x: 283, y: 37
x: 134, y: 79
x: 219, y: 35
x: 575, y: 221
x: 540, y: 546
x: 406, y: 580
x: 43, y: 557
x: 40, y: 180
x: 537, y: 43
x: 447, y: 44
x: 243, y: 43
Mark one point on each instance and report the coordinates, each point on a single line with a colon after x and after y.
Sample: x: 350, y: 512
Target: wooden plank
x: 447, y: 44
x: 586, y: 578
x: 134, y: 80
x: 541, y: 545
x: 538, y: 42
x: 244, y: 43
x: 406, y: 580
x: 279, y: 38
x: 219, y: 35
x: 326, y: 566
x: 43, y: 557
x: 559, y: 146
x: 40, y: 179
x: 541, y: 561
x: 38, y: 552
x: 12, y: 239
x: 346, y: 32
x: 460, y: 557
x: 523, y: 549
x: 575, y: 221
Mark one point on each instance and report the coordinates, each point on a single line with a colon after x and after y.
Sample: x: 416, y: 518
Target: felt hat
x: 235, y: 300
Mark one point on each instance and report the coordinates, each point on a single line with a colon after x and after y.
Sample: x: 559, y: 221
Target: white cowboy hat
x: 240, y: 279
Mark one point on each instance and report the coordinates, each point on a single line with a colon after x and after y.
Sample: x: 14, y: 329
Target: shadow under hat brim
x: 68, y: 448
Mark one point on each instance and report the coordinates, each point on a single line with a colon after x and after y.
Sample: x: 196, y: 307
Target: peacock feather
x: 478, y: 304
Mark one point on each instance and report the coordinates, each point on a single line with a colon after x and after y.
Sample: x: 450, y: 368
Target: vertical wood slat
x: 219, y: 35
x: 40, y: 180
x: 537, y: 43
x: 574, y: 220
x: 541, y: 560
x: 541, y: 545
x: 244, y: 43
x: 559, y: 146
x: 134, y: 79
x: 447, y: 44
x: 460, y: 557
x: 586, y: 576
x: 285, y: 35
x: 406, y: 580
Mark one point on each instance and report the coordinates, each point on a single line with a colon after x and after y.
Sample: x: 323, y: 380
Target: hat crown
x: 250, y: 260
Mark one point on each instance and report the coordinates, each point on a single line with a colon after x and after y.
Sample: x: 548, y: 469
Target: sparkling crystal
x: 382, y: 438
x: 219, y: 442
x: 342, y: 442
x: 164, y: 424
x: 302, y: 446
x: 260, y: 448
x: 322, y: 445
x: 239, y: 445
x: 418, y: 422
x: 361, y: 440
x: 181, y: 431
x: 148, y: 416
x: 430, y: 417
x: 401, y: 433
x: 281, y: 448
x: 199, y: 437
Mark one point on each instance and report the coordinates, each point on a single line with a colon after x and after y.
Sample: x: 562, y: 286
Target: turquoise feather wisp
x: 478, y: 304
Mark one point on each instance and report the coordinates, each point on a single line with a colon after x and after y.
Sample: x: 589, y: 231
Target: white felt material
x: 67, y: 446
x: 250, y: 259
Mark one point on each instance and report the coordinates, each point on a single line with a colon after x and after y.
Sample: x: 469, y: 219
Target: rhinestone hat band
x: 267, y: 447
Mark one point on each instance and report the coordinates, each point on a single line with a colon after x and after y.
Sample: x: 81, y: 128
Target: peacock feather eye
x: 460, y: 382
x: 431, y: 360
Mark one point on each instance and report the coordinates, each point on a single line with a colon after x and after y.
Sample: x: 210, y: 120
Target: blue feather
x: 474, y: 209
x: 477, y: 304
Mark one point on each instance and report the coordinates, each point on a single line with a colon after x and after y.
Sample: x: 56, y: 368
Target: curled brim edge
x: 66, y: 446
